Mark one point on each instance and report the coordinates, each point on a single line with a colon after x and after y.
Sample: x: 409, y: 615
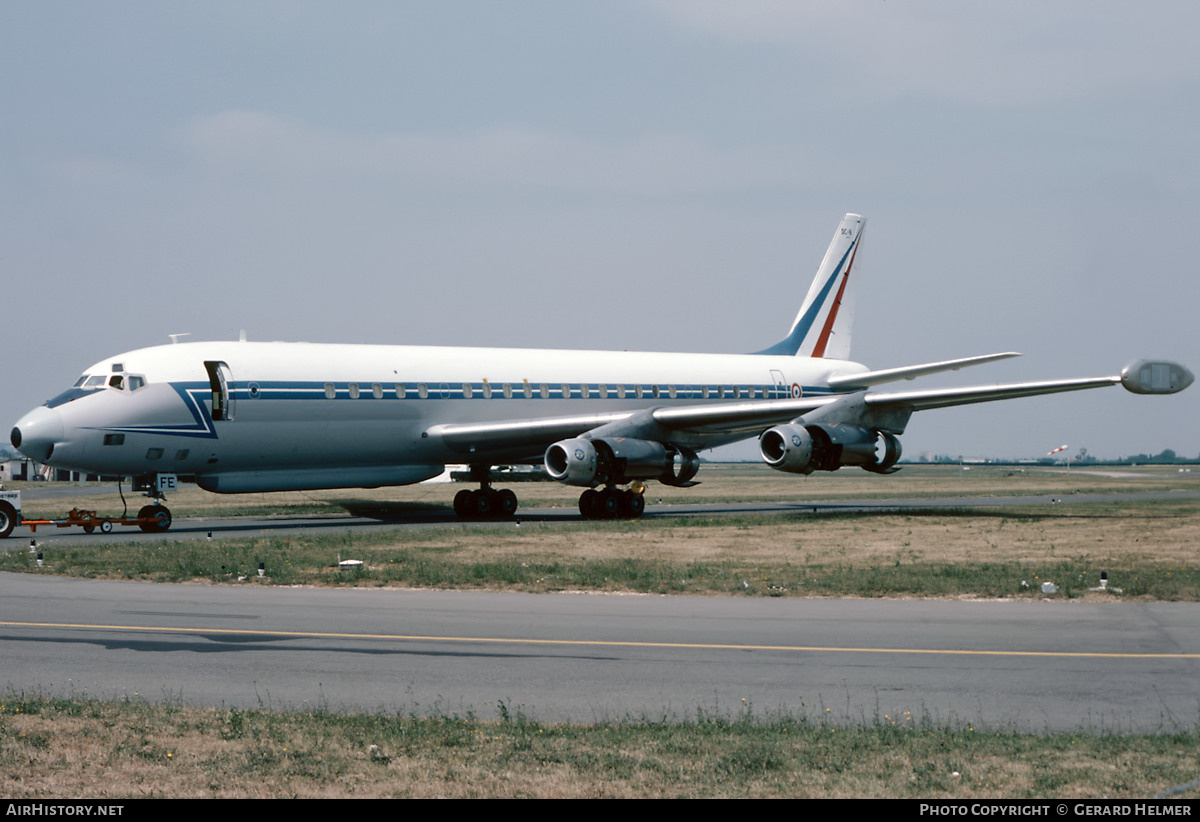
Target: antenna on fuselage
x: 175, y: 337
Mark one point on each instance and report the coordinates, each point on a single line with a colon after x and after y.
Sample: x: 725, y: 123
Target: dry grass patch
x: 65, y: 748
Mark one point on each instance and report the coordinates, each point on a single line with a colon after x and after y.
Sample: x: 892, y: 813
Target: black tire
x: 589, y: 503
x: 89, y: 528
x: 8, y: 519
x: 608, y: 506
x: 155, y: 519
x: 633, y: 505
x: 506, y: 503
x: 482, y: 504
x: 462, y: 503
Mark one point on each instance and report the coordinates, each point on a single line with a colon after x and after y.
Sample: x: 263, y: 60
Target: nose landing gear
x: 156, y: 517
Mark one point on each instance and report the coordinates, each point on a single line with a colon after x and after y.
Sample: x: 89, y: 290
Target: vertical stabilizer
x: 822, y: 328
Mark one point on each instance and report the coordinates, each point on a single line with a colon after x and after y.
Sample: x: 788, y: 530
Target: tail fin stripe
x: 791, y: 343
x: 819, y: 350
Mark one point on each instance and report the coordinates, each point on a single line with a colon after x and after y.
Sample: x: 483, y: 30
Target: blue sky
x: 641, y: 175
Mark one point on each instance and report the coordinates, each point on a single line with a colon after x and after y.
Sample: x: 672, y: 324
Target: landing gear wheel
x: 633, y: 505
x: 462, y: 503
x: 481, y: 504
x: 506, y: 503
x: 609, y: 504
x: 155, y: 519
x: 8, y: 519
x: 589, y: 503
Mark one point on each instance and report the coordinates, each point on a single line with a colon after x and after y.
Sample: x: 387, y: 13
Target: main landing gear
x: 486, y: 502
x: 612, y: 503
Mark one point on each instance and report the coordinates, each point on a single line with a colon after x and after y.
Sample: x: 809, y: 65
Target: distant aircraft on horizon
x: 240, y: 417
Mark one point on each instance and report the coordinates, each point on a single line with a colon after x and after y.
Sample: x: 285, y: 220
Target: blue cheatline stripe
x: 790, y: 344
x: 194, y: 394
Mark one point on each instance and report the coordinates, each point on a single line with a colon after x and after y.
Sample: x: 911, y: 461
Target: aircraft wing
x: 1140, y: 377
x: 710, y: 425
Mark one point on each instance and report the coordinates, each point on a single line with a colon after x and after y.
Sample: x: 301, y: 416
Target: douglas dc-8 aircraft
x: 242, y: 416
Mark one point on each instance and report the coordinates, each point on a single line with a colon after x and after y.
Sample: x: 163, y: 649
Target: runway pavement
x: 1030, y: 665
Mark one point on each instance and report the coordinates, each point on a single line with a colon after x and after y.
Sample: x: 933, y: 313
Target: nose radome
x: 36, y: 433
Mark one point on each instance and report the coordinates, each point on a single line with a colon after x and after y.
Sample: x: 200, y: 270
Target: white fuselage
x: 301, y: 407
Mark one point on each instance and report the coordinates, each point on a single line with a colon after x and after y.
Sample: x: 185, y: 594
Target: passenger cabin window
x: 400, y: 391
x: 422, y: 390
x: 376, y: 390
x: 545, y: 391
x: 487, y: 390
x: 330, y: 391
x: 528, y: 389
x: 353, y: 390
x: 507, y: 391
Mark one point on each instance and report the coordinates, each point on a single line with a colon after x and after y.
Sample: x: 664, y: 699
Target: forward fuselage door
x: 220, y: 378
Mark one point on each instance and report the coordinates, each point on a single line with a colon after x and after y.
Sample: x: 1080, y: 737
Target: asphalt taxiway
x: 586, y: 657
x: 185, y: 528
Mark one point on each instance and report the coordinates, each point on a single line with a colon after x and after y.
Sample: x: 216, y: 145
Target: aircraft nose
x: 36, y: 433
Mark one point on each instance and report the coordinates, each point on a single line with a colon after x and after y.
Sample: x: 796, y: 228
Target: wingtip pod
x: 1155, y: 377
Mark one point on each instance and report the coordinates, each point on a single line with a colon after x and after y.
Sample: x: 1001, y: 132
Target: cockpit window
x: 116, y: 381
x: 79, y: 382
x: 136, y: 382
x: 94, y: 382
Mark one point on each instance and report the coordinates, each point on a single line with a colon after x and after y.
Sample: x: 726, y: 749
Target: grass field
x: 81, y: 747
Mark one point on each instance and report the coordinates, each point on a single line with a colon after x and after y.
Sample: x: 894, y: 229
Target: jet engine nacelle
x: 802, y: 449
x: 615, y: 460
